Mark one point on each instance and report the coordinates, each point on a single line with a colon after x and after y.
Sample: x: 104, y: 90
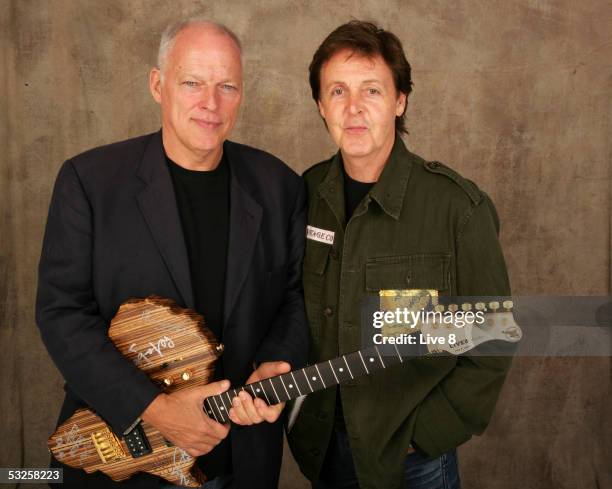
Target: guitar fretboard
x: 309, y: 379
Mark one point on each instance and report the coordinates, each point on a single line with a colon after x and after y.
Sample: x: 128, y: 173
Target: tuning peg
x: 494, y: 306
x: 508, y: 305
x: 480, y: 306
x: 466, y: 306
x: 439, y: 308
x: 453, y: 307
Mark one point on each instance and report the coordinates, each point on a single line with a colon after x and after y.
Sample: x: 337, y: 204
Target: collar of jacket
x: 389, y: 190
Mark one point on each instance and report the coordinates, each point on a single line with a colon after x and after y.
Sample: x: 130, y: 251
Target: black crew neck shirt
x: 203, y: 200
x: 354, y: 192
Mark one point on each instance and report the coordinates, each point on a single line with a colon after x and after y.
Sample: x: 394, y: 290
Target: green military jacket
x: 421, y: 226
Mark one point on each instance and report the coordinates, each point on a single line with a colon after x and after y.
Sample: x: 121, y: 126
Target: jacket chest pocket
x: 413, y: 271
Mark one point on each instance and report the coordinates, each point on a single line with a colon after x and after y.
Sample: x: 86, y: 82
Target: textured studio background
x: 516, y: 95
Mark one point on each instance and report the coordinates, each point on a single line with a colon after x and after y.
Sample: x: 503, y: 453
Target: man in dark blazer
x: 187, y: 215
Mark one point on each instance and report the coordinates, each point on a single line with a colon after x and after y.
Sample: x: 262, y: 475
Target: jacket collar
x: 388, y: 192
x: 157, y: 203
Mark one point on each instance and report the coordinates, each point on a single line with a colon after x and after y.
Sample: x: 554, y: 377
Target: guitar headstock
x: 459, y: 327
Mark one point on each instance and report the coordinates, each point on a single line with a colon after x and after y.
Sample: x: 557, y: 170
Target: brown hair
x: 369, y: 40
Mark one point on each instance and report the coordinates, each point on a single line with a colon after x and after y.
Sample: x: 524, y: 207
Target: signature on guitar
x: 154, y: 348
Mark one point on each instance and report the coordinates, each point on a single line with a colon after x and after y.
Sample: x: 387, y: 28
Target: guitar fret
x: 229, y: 399
x: 340, y: 369
x: 320, y: 376
x: 253, y: 391
x: 285, y: 387
x: 347, y: 366
x: 275, y: 393
x: 212, y: 411
x: 333, y: 372
x: 398, y: 353
x: 306, y: 376
x: 296, y: 384
x: 265, y: 393
x: 379, y: 357
x: 223, y: 402
x: 218, y: 410
x: 364, y: 364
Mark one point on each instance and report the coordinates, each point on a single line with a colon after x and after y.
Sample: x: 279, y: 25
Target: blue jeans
x: 420, y: 471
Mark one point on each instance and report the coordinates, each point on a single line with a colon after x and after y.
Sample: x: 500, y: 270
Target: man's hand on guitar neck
x: 181, y: 420
x: 245, y: 410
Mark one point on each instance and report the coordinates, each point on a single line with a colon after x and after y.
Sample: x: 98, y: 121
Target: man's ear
x: 155, y: 84
x: 321, y: 109
x: 400, y: 106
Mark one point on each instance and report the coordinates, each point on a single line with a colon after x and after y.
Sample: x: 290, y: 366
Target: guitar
x: 176, y: 350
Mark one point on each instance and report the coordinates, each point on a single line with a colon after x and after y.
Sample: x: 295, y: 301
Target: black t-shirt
x: 203, y: 200
x: 203, y: 203
x: 354, y: 192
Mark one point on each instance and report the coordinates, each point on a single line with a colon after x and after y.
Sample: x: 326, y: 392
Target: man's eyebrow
x: 338, y: 82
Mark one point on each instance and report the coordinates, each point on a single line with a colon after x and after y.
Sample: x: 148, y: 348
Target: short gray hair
x: 173, y: 30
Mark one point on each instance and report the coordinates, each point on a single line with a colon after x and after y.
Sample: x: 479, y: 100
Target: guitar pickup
x: 137, y: 442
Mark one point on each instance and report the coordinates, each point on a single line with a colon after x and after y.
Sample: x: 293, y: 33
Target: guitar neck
x: 306, y: 380
x: 342, y: 369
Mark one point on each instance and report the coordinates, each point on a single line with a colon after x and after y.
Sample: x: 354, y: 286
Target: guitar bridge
x: 107, y: 445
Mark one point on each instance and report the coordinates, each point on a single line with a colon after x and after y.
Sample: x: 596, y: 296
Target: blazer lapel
x: 157, y: 203
x: 245, y: 219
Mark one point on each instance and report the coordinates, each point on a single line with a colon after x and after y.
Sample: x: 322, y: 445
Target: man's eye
x: 337, y: 91
x: 228, y: 87
x: 373, y: 91
x: 190, y: 83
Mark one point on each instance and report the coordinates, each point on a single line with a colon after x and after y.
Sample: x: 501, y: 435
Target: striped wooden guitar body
x: 174, y: 348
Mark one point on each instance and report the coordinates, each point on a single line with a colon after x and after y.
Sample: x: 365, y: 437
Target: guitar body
x: 176, y: 350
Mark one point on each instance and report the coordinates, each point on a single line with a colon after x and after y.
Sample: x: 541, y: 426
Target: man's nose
x: 208, y: 100
x: 355, y: 104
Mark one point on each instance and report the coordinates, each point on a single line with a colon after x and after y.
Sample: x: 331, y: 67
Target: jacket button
x: 433, y: 164
x: 328, y: 311
x: 334, y: 253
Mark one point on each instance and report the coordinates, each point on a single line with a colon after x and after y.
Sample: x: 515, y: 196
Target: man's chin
x: 356, y: 150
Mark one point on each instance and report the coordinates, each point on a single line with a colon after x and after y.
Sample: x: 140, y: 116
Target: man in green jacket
x: 381, y: 218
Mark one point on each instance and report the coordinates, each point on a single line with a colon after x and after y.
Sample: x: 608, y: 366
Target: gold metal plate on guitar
x: 414, y: 300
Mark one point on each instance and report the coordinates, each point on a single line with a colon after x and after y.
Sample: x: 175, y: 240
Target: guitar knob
x: 220, y: 347
x: 186, y: 375
x: 167, y: 381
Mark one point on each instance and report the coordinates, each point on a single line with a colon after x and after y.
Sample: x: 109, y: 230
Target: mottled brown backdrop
x: 513, y: 94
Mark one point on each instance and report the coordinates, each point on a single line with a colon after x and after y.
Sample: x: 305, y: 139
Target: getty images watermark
x: 419, y: 322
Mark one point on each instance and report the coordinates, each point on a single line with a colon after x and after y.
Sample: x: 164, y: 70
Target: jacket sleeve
x: 67, y: 314
x: 288, y: 336
x: 461, y: 405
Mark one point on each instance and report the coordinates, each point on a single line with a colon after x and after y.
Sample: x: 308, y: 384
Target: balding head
x: 173, y: 30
